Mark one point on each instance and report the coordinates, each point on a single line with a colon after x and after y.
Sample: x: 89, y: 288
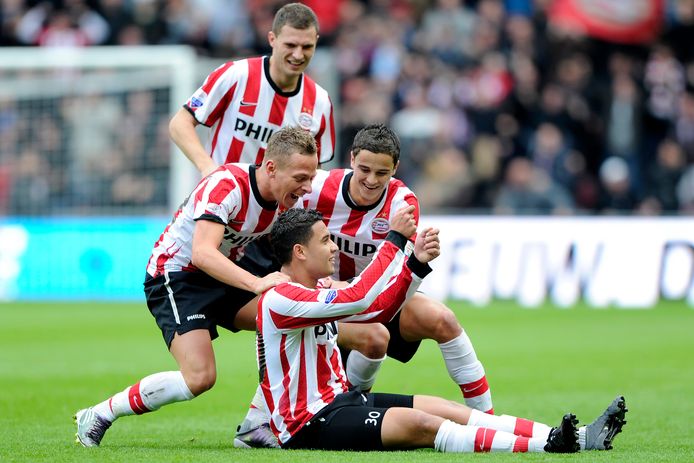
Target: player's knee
x: 374, y: 342
x: 445, y: 325
x: 424, y: 427
x: 200, y: 380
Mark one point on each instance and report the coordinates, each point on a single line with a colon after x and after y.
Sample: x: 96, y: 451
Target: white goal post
x: 69, y: 89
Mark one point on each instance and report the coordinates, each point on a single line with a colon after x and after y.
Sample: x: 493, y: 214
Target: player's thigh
x: 193, y: 351
x: 407, y: 428
x: 371, y: 339
x: 245, y: 317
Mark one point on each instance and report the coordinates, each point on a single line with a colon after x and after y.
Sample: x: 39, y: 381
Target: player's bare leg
x: 450, y: 427
x: 425, y: 318
x: 197, y: 373
x: 368, y: 344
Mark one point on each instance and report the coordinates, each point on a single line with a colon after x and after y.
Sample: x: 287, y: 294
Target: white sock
x: 508, y: 423
x: 362, y: 370
x: 257, y: 413
x: 453, y: 437
x: 151, y: 393
x: 467, y: 372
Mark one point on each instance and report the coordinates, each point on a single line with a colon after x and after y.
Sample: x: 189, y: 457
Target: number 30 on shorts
x: 373, y: 418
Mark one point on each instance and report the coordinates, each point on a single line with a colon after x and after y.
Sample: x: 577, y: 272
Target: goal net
x: 85, y: 131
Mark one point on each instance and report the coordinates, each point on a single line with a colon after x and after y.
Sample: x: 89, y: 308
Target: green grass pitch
x: 541, y: 363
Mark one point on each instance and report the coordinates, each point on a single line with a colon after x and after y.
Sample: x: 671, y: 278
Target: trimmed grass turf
x: 541, y: 363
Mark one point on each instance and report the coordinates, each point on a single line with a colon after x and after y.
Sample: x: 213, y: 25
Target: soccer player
x: 245, y: 101
x: 303, y: 381
x: 357, y: 205
x: 192, y: 283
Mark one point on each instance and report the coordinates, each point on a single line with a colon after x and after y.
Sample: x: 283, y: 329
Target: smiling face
x: 319, y: 253
x: 291, y: 179
x: 292, y: 50
x: 372, y: 172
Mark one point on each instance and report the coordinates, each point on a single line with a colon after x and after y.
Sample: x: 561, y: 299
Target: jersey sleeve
x: 218, y: 199
x: 209, y: 102
x: 376, y: 294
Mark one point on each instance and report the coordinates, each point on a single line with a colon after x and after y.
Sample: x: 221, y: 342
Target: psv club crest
x: 380, y: 225
x: 305, y: 120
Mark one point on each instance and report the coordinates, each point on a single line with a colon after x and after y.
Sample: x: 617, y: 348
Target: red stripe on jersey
x: 221, y: 191
x: 259, y: 157
x: 302, y: 386
x: 264, y: 221
x: 309, y: 101
x: 324, y: 374
x: 523, y: 427
x: 348, y: 268
x: 279, y: 106
x: 250, y: 95
x: 484, y: 439
x: 351, y: 227
x: 161, y: 237
x: 332, y: 126
x: 235, y: 149
x: 521, y: 444
x: 475, y: 388
x: 328, y: 194
x: 135, y: 399
x: 284, y: 402
x: 218, y: 110
x: 244, y: 185
x: 289, y: 322
x: 215, y: 75
x: 319, y: 134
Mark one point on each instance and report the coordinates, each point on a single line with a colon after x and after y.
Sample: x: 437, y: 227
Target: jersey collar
x: 266, y: 70
x: 348, y: 199
x: 269, y: 205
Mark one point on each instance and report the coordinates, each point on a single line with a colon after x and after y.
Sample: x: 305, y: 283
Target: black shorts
x: 398, y: 348
x: 352, y: 421
x: 186, y: 301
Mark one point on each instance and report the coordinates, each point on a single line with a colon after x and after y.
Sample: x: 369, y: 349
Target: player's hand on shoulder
x: 403, y: 221
x: 269, y: 281
x: 427, y: 246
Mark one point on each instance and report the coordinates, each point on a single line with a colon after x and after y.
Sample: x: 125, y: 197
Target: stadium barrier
x: 625, y: 262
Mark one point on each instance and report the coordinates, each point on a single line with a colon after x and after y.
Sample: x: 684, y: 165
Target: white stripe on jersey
x: 244, y: 107
x: 228, y: 196
x: 357, y: 231
x: 298, y: 326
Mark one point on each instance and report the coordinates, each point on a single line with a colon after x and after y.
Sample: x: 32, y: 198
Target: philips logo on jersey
x: 236, y: 240
x: 195, y: 316
x: 353, y: 247
x: 252, y: 130
x: 380, y: 225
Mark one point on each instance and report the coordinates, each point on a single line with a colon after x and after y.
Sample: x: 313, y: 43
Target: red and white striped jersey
x: 356, y: 230
x: 244, y: 107
x: 228, y: 196
x: 302, y: 371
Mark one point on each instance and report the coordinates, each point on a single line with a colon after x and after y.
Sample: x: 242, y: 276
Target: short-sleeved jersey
x: 301, y: 367
x: 228, y: 196
x: 356, y: 230
x: 244, y: 107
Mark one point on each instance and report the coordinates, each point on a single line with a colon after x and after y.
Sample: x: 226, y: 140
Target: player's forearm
x: 215, y: 264
x: 183, y: 134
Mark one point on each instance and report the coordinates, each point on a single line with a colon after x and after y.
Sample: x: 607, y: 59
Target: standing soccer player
x: 192, y: 283
x: 303, y: 381
x: 245, y: 101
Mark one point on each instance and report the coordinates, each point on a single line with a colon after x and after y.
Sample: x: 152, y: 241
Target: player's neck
x: 299, y: 275
x: 284, y: 82
x: 263, y: 182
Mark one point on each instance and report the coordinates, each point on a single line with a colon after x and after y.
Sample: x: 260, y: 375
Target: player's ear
x: 352, y: 158
x: 270, y: 168
x: 271, y: 37
x: 299, y: 252
x: 395, y: 169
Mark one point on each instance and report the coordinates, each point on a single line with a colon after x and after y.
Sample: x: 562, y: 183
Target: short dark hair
x: 294, y: 15
x: 377, y: 138
x: 292, y: 227
x: 287, y: 141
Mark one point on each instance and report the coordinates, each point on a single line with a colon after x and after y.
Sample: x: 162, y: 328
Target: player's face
x: 320, y: 252
x: 372, y: 172
x: 293, y: 179
x: 292, y: 50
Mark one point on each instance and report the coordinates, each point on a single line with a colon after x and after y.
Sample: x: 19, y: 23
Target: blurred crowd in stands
x: 498, y: 107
